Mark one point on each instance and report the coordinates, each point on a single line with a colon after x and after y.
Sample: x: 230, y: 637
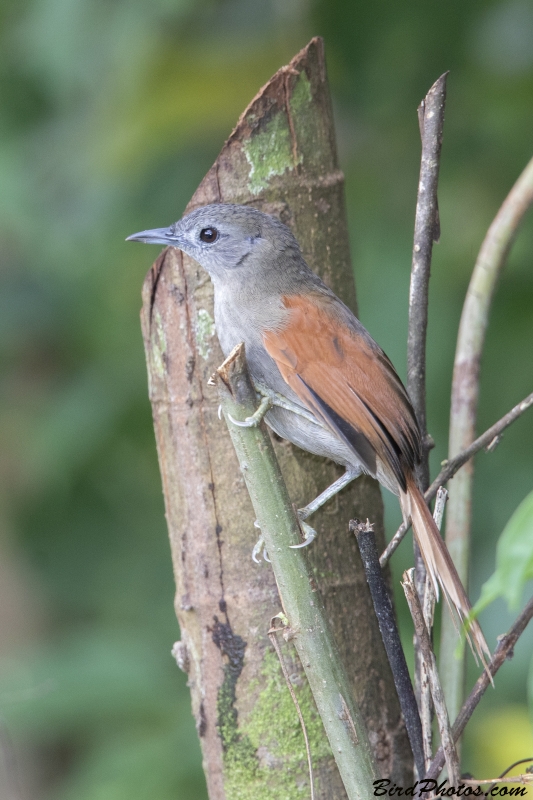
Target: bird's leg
x: 304, y: 513
x: 350, y: 475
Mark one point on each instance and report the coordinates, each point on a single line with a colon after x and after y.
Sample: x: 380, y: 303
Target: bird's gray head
x: 223, y: 237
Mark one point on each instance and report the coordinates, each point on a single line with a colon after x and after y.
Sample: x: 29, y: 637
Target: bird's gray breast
x: 243, y: 319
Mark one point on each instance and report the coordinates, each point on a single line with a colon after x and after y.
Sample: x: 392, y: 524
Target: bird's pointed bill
x: 156, y: 236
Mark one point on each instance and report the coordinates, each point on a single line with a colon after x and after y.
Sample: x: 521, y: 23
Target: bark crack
x: 286, y: 87
x: 218, y: 183
x: 156, y: 270
x: 203, y: 427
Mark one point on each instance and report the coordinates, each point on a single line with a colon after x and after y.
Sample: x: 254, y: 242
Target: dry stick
x: 465, y: 390
x: 503, y: 651
x: 431, y: 121
x: 523, y: 779
x: 366, y: 541
x: 302, y: 604
x: 428, y: 609
x: 515, y: 764
x: 430, y: 667
x: 451, y: 466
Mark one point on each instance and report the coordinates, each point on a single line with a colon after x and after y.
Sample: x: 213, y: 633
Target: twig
x: 428, y: 609
x: 503, y: 651
x: 366, y: 541
x: 524, y: 779
x: 430, y: 667
x: 431, y: 119
x: 465, y: 391
x: 303, y: 606
x: 452, y: 465
x: 431, y: 122
x: 515, y: 764
x: 275, y: 644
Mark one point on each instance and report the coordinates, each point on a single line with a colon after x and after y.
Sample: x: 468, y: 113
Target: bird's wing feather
x: 339, y: 372
x: 441, y: 568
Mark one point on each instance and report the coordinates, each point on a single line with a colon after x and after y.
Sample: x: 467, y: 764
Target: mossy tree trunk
x: 281, y: 158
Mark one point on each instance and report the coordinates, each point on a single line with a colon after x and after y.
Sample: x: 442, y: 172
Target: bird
x: 330, y: 388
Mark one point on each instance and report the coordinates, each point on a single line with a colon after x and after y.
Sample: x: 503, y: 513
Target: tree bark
x: 280, y: 158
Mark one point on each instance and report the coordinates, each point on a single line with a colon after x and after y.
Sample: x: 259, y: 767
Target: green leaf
x: 514, y: 559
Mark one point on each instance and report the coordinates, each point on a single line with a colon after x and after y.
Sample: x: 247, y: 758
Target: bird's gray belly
x: 310, y: 436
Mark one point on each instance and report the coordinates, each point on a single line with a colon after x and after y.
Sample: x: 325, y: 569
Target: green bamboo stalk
x: 308, y: 625
x: 465, y: 391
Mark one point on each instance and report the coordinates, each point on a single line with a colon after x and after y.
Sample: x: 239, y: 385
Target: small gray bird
x: 335, y: 392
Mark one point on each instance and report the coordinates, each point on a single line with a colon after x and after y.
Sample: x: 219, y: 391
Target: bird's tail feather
x: 441, y: 568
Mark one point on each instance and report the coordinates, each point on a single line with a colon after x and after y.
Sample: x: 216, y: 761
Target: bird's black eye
x: 209, y: 235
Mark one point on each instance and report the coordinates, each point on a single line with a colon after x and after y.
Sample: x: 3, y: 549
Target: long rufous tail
x: 440, y: 566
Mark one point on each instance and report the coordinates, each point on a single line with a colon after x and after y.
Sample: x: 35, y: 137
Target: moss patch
x: 239, y: 757
x: 269, y: 152
x: 272, y: 733
x: 205, y: 330
x: 301, y: 99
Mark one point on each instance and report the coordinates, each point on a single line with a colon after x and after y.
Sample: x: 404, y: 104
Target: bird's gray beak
x: 156, y: 236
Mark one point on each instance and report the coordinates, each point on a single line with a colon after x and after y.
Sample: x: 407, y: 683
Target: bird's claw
x: 309, y: 533
x: 310, y: 536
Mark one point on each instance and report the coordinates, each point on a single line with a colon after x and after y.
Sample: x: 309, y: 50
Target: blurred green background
x: 111, y: 113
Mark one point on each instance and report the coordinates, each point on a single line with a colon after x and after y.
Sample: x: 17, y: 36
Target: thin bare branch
x: 515, y: 764
x: 366, y: 541
x: 428, y: 609
x: 465, y: 391
x: 430, y: 668
x: 523, y: 779
x: 503, y: 651
x: 431, y: 120
x: 485, y: 440
x: 452, y: 465
x: 427, y: 230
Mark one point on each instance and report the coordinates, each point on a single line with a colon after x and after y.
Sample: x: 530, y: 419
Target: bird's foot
x: 271, y: 398
x: 254, y: 420
x: 259, y: 548
x: 346, y: 478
